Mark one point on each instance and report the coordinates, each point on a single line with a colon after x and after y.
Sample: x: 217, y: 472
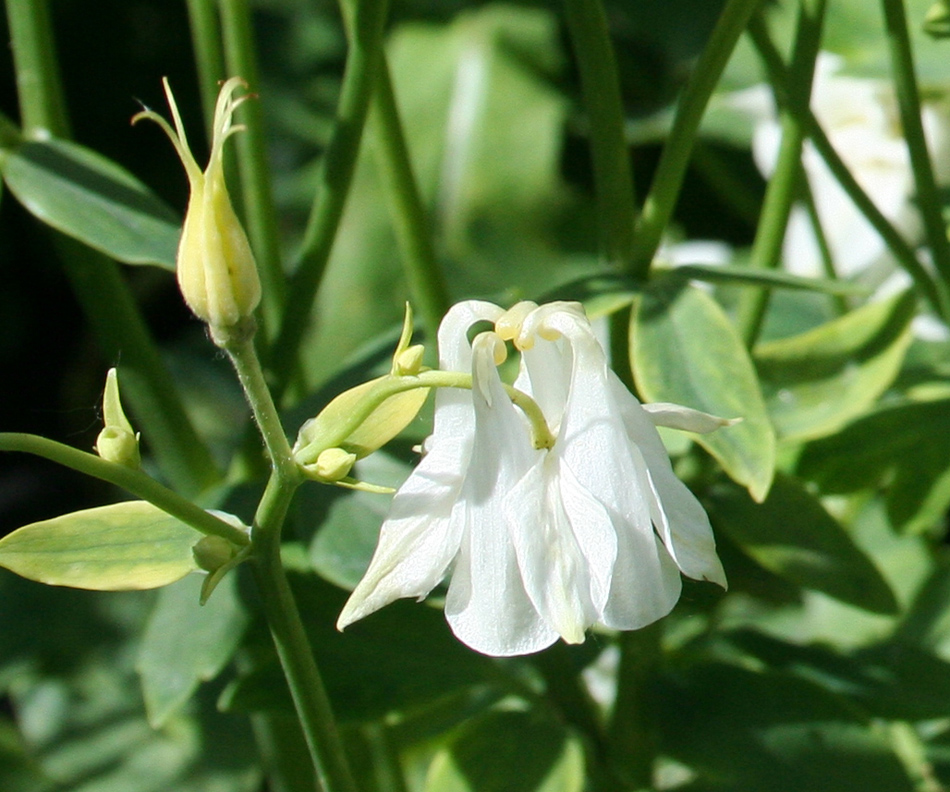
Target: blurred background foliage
x: 825, y: 668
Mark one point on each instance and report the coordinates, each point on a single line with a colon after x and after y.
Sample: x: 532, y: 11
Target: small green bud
x: 213, y: 552
x: 217, y: 273
x: 409, y: 361
x: 117, y: 442
x: 937, y: 20
x: 332, y: 465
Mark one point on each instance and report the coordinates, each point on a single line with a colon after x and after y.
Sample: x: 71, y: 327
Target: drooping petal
x: 686, y: 419
x: 677, y: 514
x: 487, y: 605
x: 565, y: 544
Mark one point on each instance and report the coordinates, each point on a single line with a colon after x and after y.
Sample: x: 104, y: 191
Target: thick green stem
x: 336, y: 172
x: 933, y: 292
x: 427, y: 288
x: 209, y: 58
x: 613, y: 178
x: 259, y: 211
x: 130, y: 479
x: 664, y: 191
x: 290, y: 639
x: 42, y: 106
x: 784, y: 185
x: 633, y: 739
x: 908, y: 96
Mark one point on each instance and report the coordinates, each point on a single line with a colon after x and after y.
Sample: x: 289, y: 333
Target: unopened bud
x: 217, y: 273
x: 117, y: 442
x: 333, y: 464
x: 409, y: 361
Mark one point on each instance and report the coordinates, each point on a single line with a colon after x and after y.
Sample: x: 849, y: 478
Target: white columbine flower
x: 542, y: 543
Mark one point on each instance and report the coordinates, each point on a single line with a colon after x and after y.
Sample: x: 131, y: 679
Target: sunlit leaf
x: 130, y: 545
x: 90, y: 198
x: 684, y: 349
x: 817, y: 381
x: 792, y: 535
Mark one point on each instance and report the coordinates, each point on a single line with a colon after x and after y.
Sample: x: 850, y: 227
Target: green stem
x: 427, y: 287
x: 290, y: 639
x: 932, y: 291
x: 784, y: 185
x: 239, y: 344
x: 613, y: 177
x: 633, y: 739
x: 664, y: 191
x: 336, y: 172
x: 42, y: 106
x: 259, y: 211
x: 130, y: 479
x: 209, y: 60
x: 824, y: 250
x: 908, y: 97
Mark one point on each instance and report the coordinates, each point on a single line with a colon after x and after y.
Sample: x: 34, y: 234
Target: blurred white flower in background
x: 861, y: 118
x: 541, y: 543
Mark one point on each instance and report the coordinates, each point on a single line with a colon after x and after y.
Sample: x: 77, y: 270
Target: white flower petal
x: 487, y: 605
x: 675, y: 416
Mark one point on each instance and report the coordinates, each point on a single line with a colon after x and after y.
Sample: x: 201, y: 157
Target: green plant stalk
x: 613, y: 177
x: 280, y: 608
x: 827, y: 262
x: 209, y: 60
x: 934, y: 292
x: 427, y: 287
x: 130, y: 479
x: 296, y: 657
x: 335, y: 175
x: 40, y: 93
x: 97, y: 282
x: 633, y: 739
x: 908, y: 98
x: 785, y: 183
x: 668, y: 180
x: 259, y: 211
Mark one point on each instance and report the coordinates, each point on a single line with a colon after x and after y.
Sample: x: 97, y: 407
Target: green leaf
x: 817, y: 381
x: 90, y: 198
x: 186, y: 643
x: 895, y: 447
x: 792, y: 535
x: 684, y: 349
x: 768, y: 731
x: 754, y: 276
x: 124, y: 546
x: 510, y: 751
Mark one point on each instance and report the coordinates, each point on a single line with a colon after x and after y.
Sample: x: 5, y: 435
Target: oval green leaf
x: 792, y: 535
x: 94, y: 200
x: 121, y: 547
x: 684, y: 349
x: 817, y: 381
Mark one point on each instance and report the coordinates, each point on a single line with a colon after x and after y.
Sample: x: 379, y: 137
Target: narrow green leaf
x: 753, y: 276
x: 817, y: 381
x: 124, y: 546
x: 792, y: 535
x: 895, y: 447
x: 186, y: 643
x: 509, y: 752
x: 90, y: 198
x: 684, y: 349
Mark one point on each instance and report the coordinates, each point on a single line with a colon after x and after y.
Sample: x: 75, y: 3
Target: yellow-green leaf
x: 124, y: 546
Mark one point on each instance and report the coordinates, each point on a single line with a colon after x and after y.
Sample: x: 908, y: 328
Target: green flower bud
x: 409, y: 361
x: 117, y: 442
x: 332, y: 465
x: 217, y: 273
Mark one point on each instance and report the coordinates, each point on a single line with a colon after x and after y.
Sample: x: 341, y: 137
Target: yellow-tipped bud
x: 409, y: 362
x: 217, y: 273
x: 332, y: 465
x: 117, y: 442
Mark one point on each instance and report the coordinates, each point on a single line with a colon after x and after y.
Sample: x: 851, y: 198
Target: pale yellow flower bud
x: 217, y: 273
x: 117, y: 442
